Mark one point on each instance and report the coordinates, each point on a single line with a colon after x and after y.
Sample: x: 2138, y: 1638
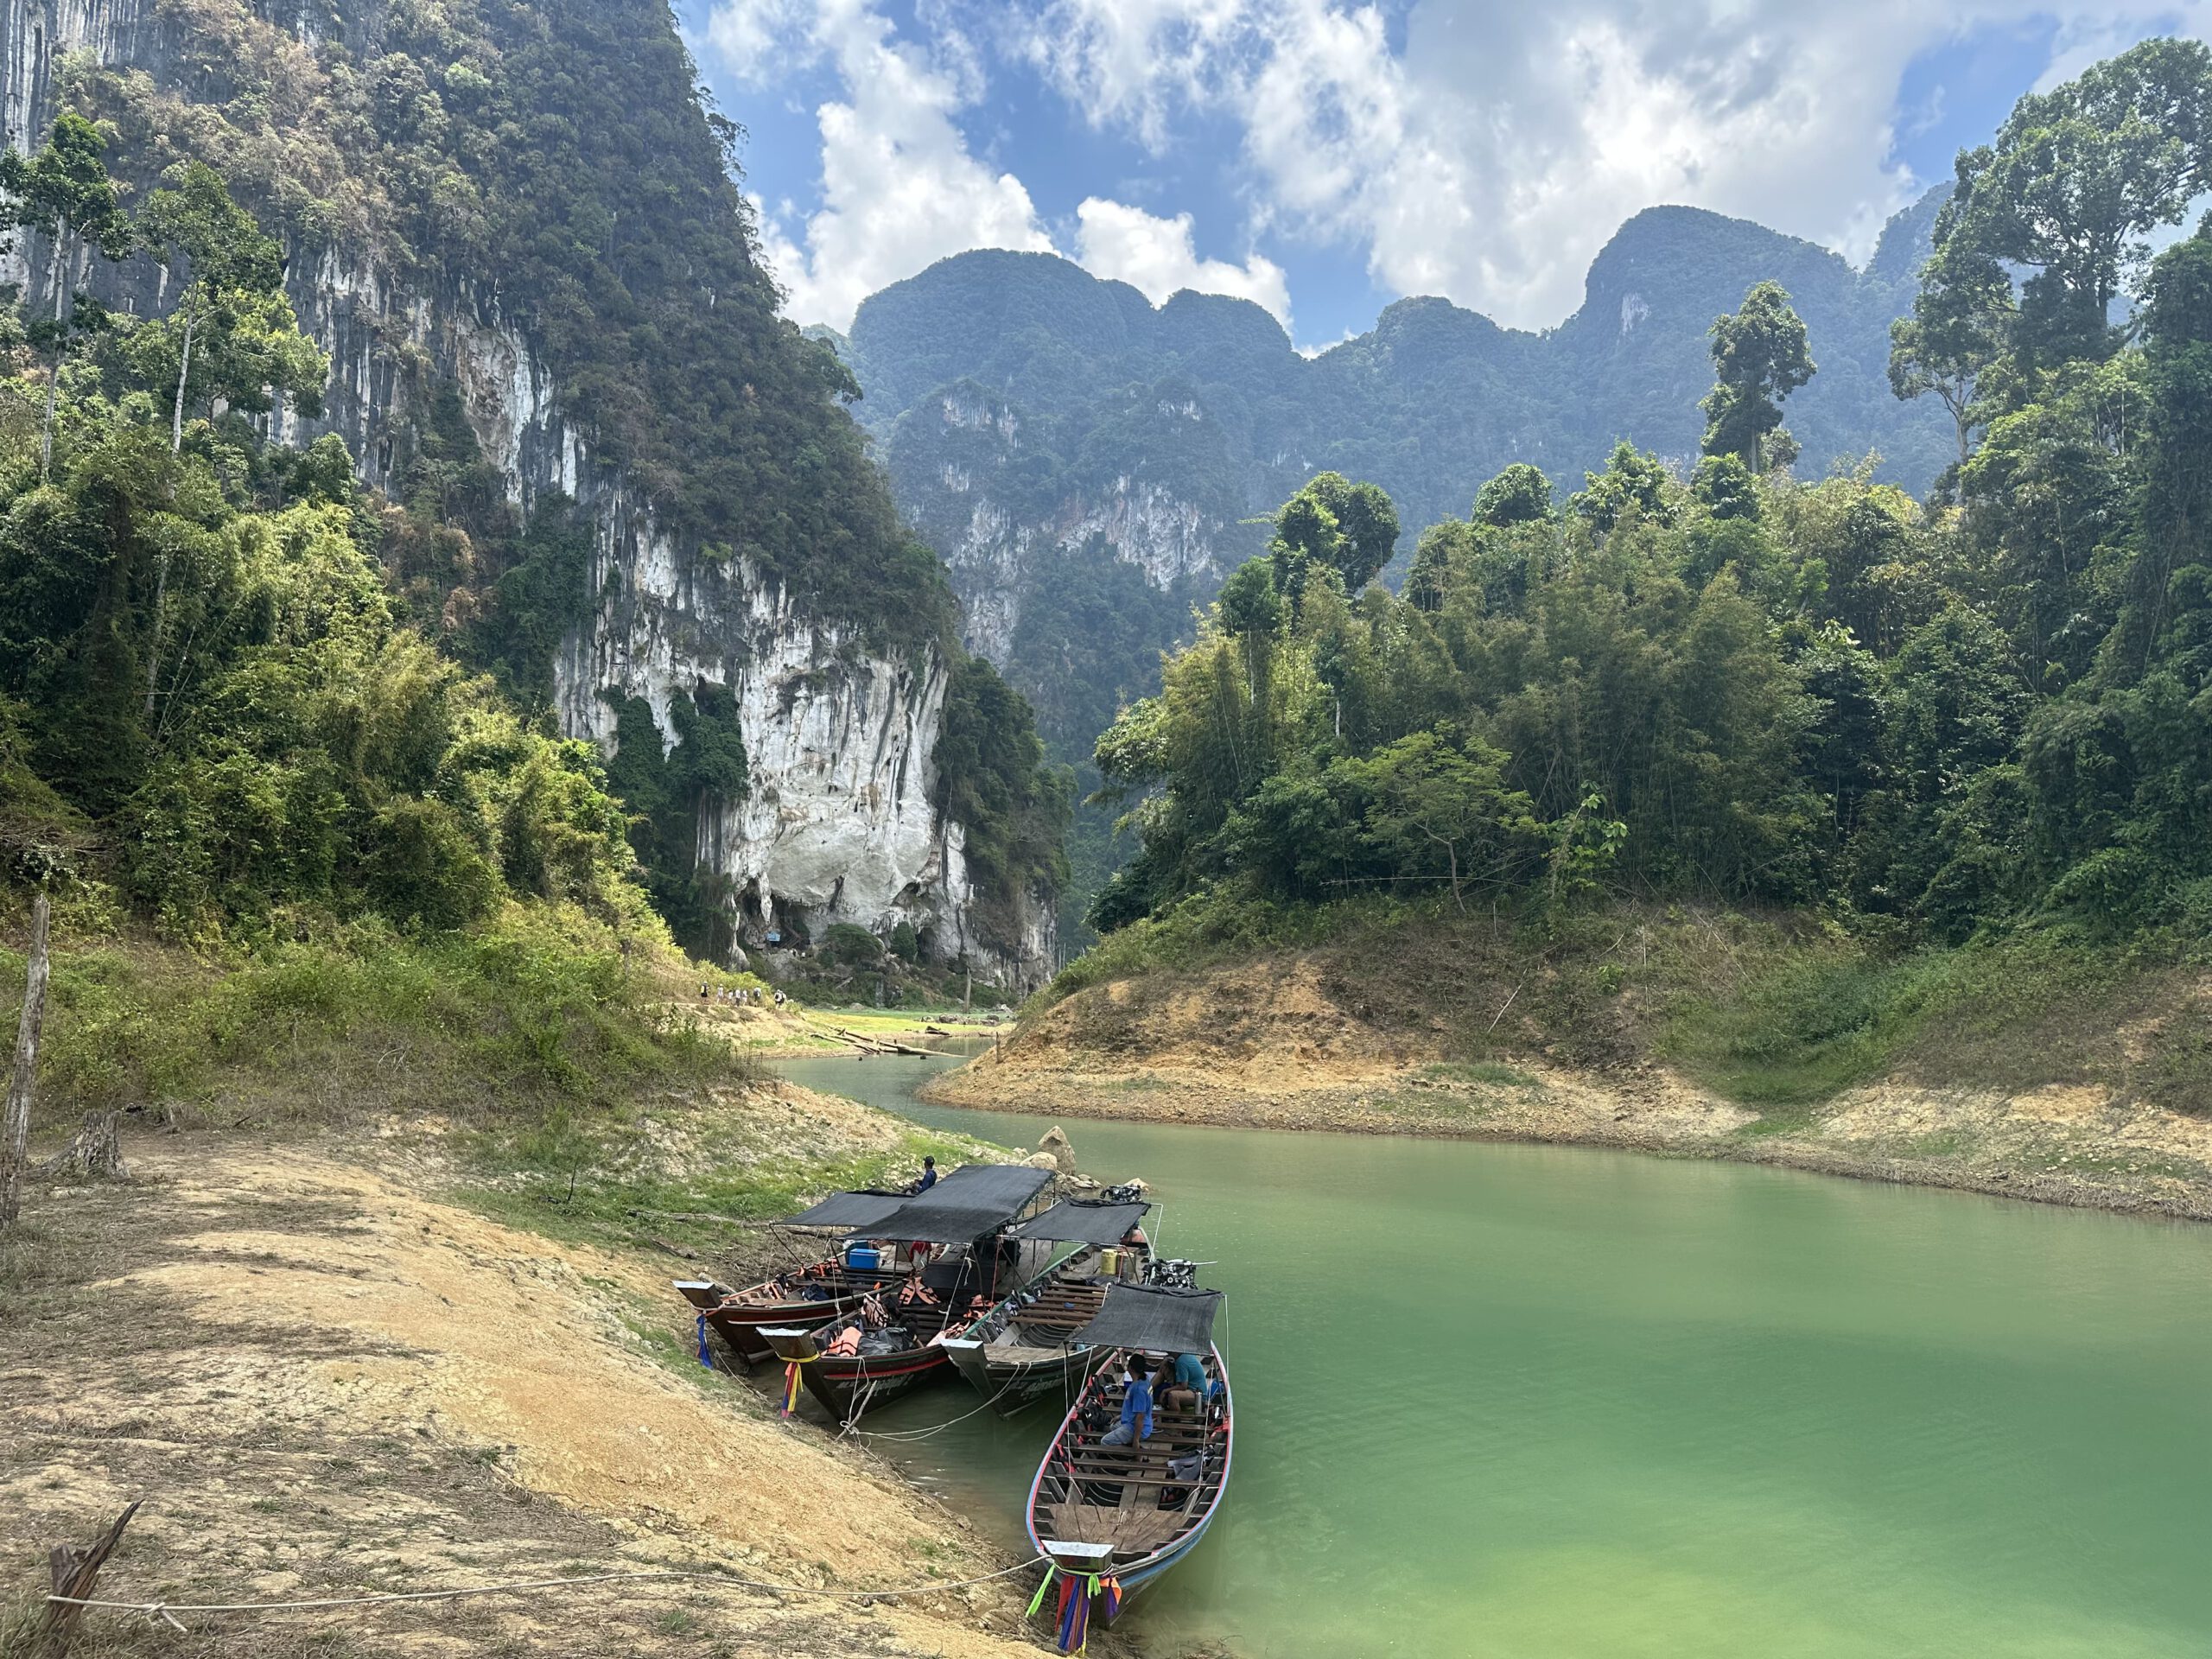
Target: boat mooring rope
x: 938, y: 1428
x: 167, y: 1610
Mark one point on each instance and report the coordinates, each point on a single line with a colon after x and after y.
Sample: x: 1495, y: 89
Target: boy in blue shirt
x: 1135, y: 1425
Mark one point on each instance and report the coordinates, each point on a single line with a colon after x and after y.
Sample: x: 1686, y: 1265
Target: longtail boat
x: 1020, y: 1350
x: 805, y: 1294
x: 890, y: 1343
x: 1112, y: 1520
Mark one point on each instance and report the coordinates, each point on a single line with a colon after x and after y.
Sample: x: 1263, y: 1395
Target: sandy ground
x: 1269, y: 1048
x: 324, y: 1383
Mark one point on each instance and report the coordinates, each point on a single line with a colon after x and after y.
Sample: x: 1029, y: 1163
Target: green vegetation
x: 991, y: 778
x: 565, y: 149
x: 568, y: 153
x: 1988, y: 721
x: 538, y: 1012
x: 1761, y: 356
x: 199, y: 660
x: 302, y: 858
x: 1028, y: 412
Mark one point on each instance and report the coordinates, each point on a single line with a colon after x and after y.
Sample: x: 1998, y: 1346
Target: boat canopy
x: 850, y: 1212
x: 1083, y: 1221
x: 1152, y: 1317
x: 974, y: 1199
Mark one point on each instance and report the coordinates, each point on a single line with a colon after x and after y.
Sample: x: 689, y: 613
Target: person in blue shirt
x: 929, y: 1175
x: 1135, y: 1425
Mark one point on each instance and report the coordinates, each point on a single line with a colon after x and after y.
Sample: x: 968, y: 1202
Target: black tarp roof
x: 850, y: 1211
x: 974, y: 1199
x: 1158, y: 1320
x: 1083, y: 1221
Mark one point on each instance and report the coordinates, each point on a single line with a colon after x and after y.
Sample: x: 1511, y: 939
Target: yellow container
x: 1109, y: 1264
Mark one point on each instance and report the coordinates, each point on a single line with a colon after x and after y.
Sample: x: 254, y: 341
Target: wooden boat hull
x: 1138, y: 1575
x: 1009, y: 1386
x: 1013, y: 1376
x: 848, y: 1388
x: 739, y: 1325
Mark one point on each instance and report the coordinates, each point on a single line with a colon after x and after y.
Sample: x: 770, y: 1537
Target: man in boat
x: 1136, y: 1249
x: 1135, y: 1427
x: 1186, y: 1384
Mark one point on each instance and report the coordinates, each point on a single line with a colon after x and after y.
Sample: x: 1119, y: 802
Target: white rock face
x: 989, y: 547
x: 837, y: 826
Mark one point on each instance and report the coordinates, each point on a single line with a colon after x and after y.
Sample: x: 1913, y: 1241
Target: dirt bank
x: 324, y: 1383
x: 1281, y: 1044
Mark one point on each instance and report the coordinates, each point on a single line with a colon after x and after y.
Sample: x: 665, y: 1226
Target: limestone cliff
x: 839, y: 719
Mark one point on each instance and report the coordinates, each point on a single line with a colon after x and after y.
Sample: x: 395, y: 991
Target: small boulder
x: 1043, y: 1161
x: 1056, y: 1144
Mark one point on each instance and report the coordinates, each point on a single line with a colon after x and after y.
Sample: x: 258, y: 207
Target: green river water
x: 1554, y: 1402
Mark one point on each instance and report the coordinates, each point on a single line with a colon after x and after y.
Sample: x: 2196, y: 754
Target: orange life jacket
x: 846, y: 1343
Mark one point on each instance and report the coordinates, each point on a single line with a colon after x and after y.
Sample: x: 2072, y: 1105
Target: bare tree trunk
x: 15, y: 1139
x: 53, y: 379
x: 183, y: 373
x: 162, y: 573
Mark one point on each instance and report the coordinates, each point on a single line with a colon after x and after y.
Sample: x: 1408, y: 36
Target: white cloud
x: 1490, y: 152
x: 1158, y: 256
x: 899, y: 188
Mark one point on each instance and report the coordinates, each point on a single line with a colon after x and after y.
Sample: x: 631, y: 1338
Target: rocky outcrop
x: 964, y: 470
x: 837, y: 825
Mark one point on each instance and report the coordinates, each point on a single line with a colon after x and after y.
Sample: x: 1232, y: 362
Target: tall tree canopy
x: 2075, y: 180
x: 1760, y: 355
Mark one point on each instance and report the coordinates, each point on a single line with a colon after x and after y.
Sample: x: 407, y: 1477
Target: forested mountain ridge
x: 1086, y: 462
x: 1082, y: 383
x: 601, y: 467
x: 1929, y: 721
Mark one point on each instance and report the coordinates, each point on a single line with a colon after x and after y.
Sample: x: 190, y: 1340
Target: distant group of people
x: 739, y: 996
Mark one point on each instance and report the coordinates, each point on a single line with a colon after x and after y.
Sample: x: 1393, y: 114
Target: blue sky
x: 1323, y: 158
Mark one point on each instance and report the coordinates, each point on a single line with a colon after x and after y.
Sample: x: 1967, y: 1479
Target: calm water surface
x: 1554, y: 1403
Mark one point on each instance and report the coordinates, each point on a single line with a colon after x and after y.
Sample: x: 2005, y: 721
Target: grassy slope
x: 535, y: 1066
x: 1774, y: 1012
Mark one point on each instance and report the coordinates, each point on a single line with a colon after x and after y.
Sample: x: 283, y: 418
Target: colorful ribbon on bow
x: 1077, y: 1591
x: 791, y: 1385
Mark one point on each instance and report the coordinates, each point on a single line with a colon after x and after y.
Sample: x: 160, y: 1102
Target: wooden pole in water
x: 15, y: 1138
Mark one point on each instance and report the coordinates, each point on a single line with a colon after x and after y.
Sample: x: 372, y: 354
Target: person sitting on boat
x: 1135, y: 1427
x: 1136, y: 1249
x: 1186, y: 1384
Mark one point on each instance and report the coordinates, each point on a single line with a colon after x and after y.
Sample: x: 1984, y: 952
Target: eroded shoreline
x: 2071, y: 1145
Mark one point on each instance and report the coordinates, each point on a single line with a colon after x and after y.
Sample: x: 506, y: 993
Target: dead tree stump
x: 75, y: 1573
x: 97, y: 1151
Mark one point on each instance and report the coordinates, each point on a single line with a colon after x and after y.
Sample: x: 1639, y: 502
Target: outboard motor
x: 1172, y: 1273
